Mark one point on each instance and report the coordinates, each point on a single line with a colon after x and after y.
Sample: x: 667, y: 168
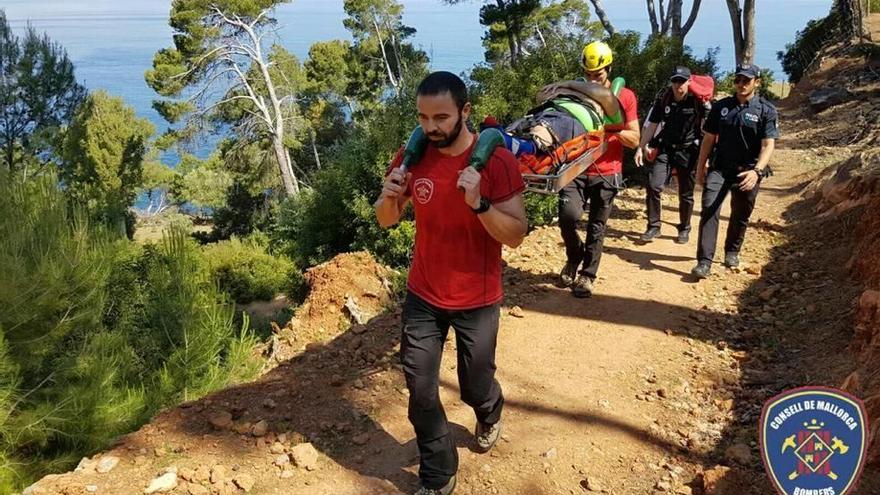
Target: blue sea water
x: 112, y: 42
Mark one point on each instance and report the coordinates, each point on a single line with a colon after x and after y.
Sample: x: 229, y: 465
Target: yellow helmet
x: 596, y: 55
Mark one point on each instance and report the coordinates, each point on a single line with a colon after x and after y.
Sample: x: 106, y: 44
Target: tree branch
x: 695, y: 8
x: 603, y: 18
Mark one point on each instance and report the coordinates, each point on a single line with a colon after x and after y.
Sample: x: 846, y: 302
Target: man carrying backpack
x: 678, y: 113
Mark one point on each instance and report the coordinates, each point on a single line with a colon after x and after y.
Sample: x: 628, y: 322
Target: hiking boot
x: 683, y: 237
x: 731, y: 260
x: 447, y: 489
x: 487, y: 435
x: 650, y: 234
x: 568, y: 273
x: 702, y: 270
x: 582, y: 287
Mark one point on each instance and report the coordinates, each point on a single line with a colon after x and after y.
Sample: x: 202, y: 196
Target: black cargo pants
x: 421, y: 346
x: 718, y: 184
x: 683, y: 161
x: 597, y: 194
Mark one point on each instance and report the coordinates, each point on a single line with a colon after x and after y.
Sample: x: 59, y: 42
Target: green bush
x: 98, y: 333
x: 808, y: 44
x: 246, y: 271
x: 541, y: 209
x: 336, y: 215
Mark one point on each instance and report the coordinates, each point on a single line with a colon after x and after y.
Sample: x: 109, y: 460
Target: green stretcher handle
x: 617, y: 119
x: 414, y: 149
x: 487, y: 141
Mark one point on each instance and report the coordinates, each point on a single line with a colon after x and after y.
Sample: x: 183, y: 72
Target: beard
x: 441, y: 139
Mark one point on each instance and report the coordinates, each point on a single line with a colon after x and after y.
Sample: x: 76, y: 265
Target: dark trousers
x: 421, y: 346
x: 598, y: 193
x: 683, y: 162
x: 742, y: 203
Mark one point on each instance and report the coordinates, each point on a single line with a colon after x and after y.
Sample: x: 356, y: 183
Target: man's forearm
x: 767, y: 147
x: 647, y: 134
x: 705, y: 150
x: 629, y: 138
x: 387, y: 211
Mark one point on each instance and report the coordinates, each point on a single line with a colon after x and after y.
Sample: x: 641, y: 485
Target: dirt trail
x: 645, y: 388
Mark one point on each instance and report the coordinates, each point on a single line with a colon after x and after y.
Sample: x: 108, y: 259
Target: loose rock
x: 162, y: 484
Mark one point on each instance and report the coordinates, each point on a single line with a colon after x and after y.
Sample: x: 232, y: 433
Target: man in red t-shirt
x: 599, y: 184
x: 455, y: 278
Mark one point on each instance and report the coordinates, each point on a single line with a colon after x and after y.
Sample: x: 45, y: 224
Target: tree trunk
x: 508, y: 29
x: 853, y: 13
x: 391, y: 79
x: 652, y: 16
x: 603, y: 18
x: 749, y: 32
x: 675, y: 18
x: 288, y: 179
x: 737, y: 25
x: 664, y: 19
x: 395, y: 47
x: 315, y: 148
x: 10, y: 155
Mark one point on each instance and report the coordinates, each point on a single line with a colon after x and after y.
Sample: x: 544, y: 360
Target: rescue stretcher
x: 549, y: 171
x: 552, y: 173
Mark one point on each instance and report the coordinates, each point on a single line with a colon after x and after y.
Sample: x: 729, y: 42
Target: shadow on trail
x: 800, y: 335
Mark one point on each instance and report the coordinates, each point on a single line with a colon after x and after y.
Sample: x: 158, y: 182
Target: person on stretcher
x: 571, y: 118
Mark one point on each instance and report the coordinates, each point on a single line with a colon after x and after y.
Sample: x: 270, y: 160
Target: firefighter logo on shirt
x: 423, y: 190
x: 813, y: 441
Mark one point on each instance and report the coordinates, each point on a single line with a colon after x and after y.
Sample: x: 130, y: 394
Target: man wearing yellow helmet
x: 600, y: 182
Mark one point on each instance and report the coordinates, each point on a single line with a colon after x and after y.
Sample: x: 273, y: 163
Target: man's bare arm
x: 506, y: 221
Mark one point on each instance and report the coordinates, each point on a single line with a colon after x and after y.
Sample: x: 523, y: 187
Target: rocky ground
x: 654, y: 385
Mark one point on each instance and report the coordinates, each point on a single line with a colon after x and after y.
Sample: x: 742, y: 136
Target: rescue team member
x: 745, y: 128
x: 677, y: 146
x: 599, y: 184
x: 455, y: 277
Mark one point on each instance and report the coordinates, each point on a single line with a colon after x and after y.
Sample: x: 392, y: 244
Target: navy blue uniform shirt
x: 679, y: 120
x: 740, y: 129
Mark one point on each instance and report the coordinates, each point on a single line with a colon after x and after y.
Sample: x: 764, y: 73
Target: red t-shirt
x: 456, y: 263
x: 611, y: 162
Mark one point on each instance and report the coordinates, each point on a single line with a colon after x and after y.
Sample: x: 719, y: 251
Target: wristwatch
x: 484, y: 206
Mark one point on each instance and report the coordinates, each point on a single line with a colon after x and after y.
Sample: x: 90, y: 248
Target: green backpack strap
x: 588, y: 117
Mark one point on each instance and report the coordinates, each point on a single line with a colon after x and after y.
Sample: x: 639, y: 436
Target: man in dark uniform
x: 744, y: 126
x: 677, y: 145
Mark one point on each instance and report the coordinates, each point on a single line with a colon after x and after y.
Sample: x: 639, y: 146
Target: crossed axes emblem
x: 836, y: 445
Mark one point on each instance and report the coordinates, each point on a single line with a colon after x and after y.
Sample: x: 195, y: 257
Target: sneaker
x: 582, y: 287
x: 731, y: 260
x: 702, y: 270
x: 447, y: 489
x: 650, y: 234
x: 568, y: 274
x: 487, y: 435
x: 683, y: 237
